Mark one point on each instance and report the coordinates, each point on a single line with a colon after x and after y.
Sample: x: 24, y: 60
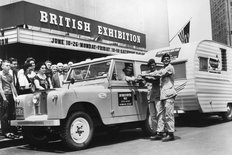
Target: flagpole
x: 180, y: 30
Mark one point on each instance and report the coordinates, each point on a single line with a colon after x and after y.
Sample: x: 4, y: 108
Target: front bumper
x: 40, y: 120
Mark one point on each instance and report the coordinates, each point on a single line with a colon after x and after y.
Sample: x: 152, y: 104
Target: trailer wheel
x: 35, y: 136
x: 227, y: 116
x: 77, y: 131
x: 147, y: 126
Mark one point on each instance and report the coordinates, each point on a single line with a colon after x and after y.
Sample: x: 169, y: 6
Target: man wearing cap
x: 165, y: 110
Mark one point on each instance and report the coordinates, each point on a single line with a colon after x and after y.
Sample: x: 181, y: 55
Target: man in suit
x: 14, y: 72
x: 58, y: 77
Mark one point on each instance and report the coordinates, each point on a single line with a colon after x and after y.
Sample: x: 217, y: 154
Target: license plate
x: 19, y: 111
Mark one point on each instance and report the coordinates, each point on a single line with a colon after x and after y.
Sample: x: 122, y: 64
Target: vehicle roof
x: 134, y: 57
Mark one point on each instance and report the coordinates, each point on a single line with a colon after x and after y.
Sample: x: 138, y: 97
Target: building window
x: 224, y: 59
x: 203, y: 64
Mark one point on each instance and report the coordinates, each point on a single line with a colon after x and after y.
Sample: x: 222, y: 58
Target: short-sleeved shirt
x: 167, y: 82
x: 6, y: 81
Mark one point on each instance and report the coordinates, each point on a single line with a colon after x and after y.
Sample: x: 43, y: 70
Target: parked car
x: 94, y: 95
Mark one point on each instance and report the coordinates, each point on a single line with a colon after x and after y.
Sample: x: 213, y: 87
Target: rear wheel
x: 77, y: 131
x: 147, y: 126
x: 227, y: 116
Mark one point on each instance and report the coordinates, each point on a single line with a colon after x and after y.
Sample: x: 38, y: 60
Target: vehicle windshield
x: 90, y: 71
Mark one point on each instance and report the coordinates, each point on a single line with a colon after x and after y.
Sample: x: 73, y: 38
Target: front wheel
x: 227, y: 116
x: 77, y: 131
x: 147, y: 126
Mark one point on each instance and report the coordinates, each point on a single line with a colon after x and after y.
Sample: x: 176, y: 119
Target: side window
x: 144, y: 68
x: 203, y: 64
x: 78, y: 73
x: 122, y: 69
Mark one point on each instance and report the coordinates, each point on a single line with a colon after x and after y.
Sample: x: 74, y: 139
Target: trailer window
x: 203, y: 64
x: 180, y: 70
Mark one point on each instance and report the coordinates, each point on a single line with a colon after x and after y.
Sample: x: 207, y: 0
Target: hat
x: 165, y: 55
x: 128, y: 65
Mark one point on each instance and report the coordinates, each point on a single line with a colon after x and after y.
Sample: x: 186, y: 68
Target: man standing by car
x: 7, y: 92
x: 153, y: 95
x: 167, y: 96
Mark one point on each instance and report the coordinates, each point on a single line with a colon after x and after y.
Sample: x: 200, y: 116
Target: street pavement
x: 204, y: 136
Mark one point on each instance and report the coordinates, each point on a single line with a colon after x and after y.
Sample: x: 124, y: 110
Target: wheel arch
x: 88, y: 108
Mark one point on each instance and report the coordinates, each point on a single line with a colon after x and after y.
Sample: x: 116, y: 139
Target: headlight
x: 35, y: 99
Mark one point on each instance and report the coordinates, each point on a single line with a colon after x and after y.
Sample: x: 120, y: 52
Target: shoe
x: 158, y: 136
x: 169, y: 137
x: 10, y: 136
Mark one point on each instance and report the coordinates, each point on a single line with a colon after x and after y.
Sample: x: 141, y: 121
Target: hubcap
x: 80, y: 130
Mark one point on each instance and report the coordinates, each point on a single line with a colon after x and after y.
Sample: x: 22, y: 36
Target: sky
x: 181, y: 11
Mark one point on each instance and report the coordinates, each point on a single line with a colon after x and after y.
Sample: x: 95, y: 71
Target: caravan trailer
x: 203, y: 76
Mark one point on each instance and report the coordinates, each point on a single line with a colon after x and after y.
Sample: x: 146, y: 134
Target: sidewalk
x: 6, y: 142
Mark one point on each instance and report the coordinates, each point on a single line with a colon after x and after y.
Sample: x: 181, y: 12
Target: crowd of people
x: 30, y: 77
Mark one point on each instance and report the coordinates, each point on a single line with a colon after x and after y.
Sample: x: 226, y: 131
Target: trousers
x: 7, y: 113
x: 165, y: 115
x: 153, y: 113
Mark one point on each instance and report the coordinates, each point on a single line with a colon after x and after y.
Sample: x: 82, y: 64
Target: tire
x: 35, y: 136
x: 227, y: 116
x: 147, y: 126
x: 77, y: 131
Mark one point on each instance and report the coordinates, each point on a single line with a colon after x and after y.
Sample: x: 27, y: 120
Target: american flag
x: 184, y: 34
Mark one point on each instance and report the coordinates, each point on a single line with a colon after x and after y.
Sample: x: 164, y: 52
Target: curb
x: 6, y: 142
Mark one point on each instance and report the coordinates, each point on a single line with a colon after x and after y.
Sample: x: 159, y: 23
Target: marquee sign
x: 26, y: 36
x: 22, y: 12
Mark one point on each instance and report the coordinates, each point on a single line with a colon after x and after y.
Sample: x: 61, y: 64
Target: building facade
x: 80, y: 29
x: 221, y: 21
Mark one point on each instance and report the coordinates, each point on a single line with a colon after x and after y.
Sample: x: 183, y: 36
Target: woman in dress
x: 41, y: 81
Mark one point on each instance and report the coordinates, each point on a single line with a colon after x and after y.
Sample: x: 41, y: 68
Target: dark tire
x: 77, y: 131
x: 227, y: 116
x: 147, y: 126
x: 35, y: 136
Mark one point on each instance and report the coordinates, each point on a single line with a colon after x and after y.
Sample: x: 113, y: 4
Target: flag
x: 184, y: 34
x: 180, y: 87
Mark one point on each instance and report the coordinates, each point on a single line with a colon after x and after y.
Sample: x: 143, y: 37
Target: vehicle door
x: 127, y: 98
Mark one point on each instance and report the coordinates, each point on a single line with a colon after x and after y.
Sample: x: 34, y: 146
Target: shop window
x: 203, y: 64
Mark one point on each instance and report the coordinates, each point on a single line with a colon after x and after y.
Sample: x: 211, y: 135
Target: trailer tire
x: 227, y: 116
x: 77, y: 131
